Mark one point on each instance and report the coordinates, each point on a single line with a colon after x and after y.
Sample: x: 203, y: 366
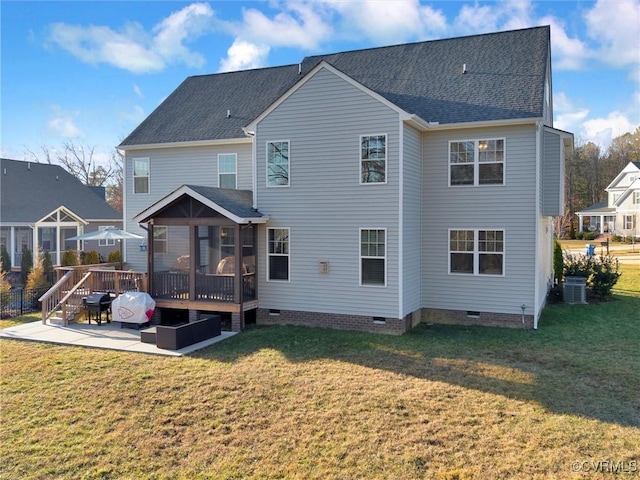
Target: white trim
x: 482, y: 123
x: 401, y: 219
x: 538, y: 212
x: 184, y: 189
x: 386, y: 158
x: 288, y: 255
x: 385, y: 258
x: 133, y: 175
x: 235, y: 171
x: 193, y: 143
x: 476, y: 252
x: 476, y: 162
x: 266, y: 163
x: 251, y: 127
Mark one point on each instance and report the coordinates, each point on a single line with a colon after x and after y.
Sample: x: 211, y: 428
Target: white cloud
x: 244, y: 55
x: 64, y: 126
x: 297, y: 25
x: 137, y: 91
x: 567, y: 53
x: 615, y: 26
x: 134, y: 49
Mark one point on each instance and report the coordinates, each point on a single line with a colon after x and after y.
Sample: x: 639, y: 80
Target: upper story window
x: 278, y: 164
x: 107, y: 242
x: 227, y: 165
x: 140, y: 175
x: 636, y: 197
x: 373, y: 256
x: 476, y: 252
x: 278, y: 253
x: 476, y: 162
x: 373, y: 159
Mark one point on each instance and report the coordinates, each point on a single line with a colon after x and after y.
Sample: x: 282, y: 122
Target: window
x: 476, y: 162
x: 140, y: 175
x: 373, y: 254
x: 636, y: 197
x: 227, y: 170
x: 476, y: 252
x: 105, y: 242
x: 373, y: 159
x: 278, y: 164
x: 160, y: 239
x: 629, y: 222
x: 278, y: 252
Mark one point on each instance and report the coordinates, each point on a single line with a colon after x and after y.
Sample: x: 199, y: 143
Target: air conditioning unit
x: 574, y: 290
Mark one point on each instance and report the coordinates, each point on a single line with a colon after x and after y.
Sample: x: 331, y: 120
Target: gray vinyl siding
x: 511, y: 207
x: 169, y: 168
x: 411, y: 221
x: 552, y: 183
x: 325, y: 206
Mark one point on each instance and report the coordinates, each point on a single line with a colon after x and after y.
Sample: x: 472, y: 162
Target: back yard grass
x: 440, y: 402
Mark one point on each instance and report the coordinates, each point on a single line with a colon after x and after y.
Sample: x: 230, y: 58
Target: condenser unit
x: 574, y: 290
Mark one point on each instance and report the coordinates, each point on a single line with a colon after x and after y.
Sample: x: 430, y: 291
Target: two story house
x: 366, y: 190
x: 619, y: 214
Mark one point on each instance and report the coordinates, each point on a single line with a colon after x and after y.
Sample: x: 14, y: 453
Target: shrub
x: 91, y: 258
x: 114, y: 257
x: 36, y: 278
x: 589, y: 235
x: 572, y: 232
x: 616, y: 238
x: 601, y: 273
x: 69, y: 259
x: 47, y: 264
x: 604, y: 275
x: 5, y: 286
x: 579, y: 235
x: 558, y: 261
x: 5, y: 258
x: 27, y: 264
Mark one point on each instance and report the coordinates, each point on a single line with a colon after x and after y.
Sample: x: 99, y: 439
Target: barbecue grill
x: 95, y: 304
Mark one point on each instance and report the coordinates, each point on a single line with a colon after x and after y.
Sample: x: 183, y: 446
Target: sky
x: 89, y: 72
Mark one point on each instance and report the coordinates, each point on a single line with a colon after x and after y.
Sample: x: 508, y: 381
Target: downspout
x: 400, y: 219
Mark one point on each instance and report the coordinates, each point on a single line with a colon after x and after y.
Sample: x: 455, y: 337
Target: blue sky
x: 90, y: 72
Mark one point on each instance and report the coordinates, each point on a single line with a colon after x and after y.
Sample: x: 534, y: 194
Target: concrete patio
x: 108, y: 336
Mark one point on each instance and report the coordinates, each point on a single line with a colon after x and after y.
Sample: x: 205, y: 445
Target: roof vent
x: 228, y: 113
x: 464, y: 68
x: 28, y: 165
x: 299, y: 68
x: 5, y: 171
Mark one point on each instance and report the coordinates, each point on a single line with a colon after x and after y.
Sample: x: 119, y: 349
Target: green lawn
x: 440, y: 402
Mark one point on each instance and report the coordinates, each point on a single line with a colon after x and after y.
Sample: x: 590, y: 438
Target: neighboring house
x: 42, y: 205
x: 619, y: 214
x: 368, y: 190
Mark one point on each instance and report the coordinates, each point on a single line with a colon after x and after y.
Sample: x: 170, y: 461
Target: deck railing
x: 208, y: 288
x: 65, y: 297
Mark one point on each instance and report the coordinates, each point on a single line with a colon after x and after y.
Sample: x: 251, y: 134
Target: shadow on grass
x: 583, y: 360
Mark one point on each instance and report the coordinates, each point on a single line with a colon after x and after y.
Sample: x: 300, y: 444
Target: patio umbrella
x: 111, y: 233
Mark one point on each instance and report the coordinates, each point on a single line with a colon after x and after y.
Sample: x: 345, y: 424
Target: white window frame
x: 266, y: 152
x: 147, y: 176
x: 105, y: 242
x: 629, y: 222
x: 476, y: 251
x: 636, y: 197
x: 165, y: 240
x: 288, y: 255
x: 235, y: 169
x: 363, y: 257
x: 362, y: 160
x: 476, y: 161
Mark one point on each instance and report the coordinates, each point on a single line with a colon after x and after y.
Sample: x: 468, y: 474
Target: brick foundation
x: 486, y: 319
x: 394, y: 326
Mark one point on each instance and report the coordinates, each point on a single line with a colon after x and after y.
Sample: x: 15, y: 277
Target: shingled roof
x: 504, y: 79
x: 30, y: 191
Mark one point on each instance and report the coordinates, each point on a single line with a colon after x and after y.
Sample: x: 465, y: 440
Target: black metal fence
x: 20, y: 302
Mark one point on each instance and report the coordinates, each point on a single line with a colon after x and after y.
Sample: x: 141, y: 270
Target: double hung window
x: 476, y: 252
x: 476, y: 162
x: 373, y: 256
x: 227, y: 170
x: 107, y: 242
x: 278, y: 253
x: 140, y: 175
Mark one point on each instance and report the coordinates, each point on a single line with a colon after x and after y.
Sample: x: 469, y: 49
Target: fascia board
x: 197, y: 143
